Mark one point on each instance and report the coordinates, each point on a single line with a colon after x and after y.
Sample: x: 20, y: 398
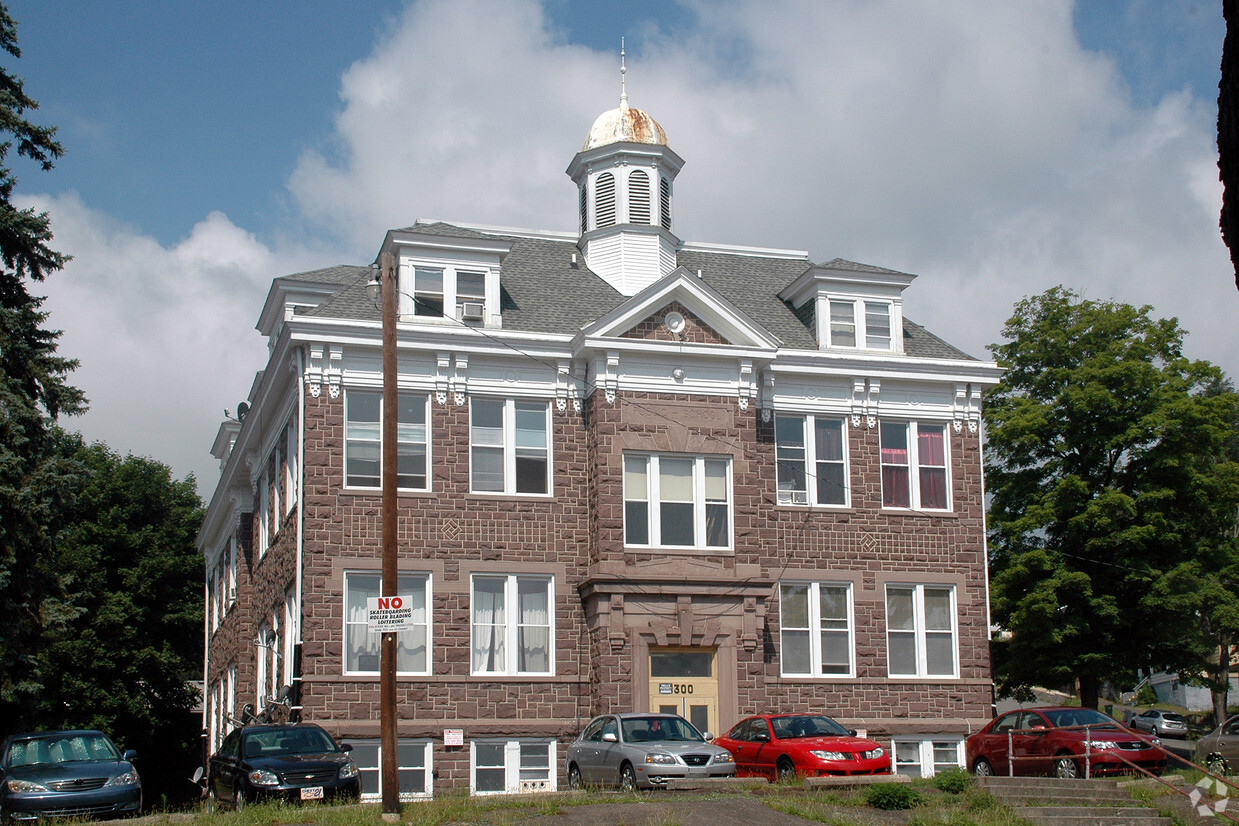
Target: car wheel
x: 574, y: 777
x: 1066, y: 767
x: 982, y: 768
x: 211, y: 804
x: 1217, y: 764
x: 628, y: 778
x: 786, y: 770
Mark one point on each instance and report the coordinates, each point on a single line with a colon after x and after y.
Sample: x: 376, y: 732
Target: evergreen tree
x: 34, y: 391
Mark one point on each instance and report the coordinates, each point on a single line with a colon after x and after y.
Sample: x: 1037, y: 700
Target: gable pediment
x: 680, y: 307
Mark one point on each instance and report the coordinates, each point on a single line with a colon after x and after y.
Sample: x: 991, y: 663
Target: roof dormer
x: 851, y: 306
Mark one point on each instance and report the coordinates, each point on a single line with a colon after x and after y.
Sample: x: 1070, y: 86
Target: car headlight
x: 724, y: 757
x: 829, y: 755
x: 660, y: 759
x: 348, y: 770
x: 876, y: 753
x: 262, y: 777
x: 1102, y: 744
x: 25, y: 786
x: 129, y: 778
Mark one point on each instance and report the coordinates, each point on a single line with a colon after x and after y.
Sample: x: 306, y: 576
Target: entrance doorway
x: 684, y: 681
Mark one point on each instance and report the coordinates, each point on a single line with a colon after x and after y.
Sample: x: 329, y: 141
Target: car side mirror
x: 707, y: 735
x: 346, y: 747
x: 852, y: 732
x: 129, y: 755
x: 609, y: 737
x: 761, y: 737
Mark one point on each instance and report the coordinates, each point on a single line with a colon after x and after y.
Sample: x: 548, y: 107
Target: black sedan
x: 73, y: 774
x: 298, y: 762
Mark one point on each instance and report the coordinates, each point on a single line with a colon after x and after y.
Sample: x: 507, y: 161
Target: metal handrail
x: 1011, y: 758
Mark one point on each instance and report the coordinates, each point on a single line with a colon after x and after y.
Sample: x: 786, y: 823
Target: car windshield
x: 806, y: 725
x: 71, y: 748
x: 1078, y: 717
x: 1172, y: 717
x: 667, y: 729
x: 282, y: 742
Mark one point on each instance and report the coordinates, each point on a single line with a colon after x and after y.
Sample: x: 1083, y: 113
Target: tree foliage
x: 34, y: 481
x: 123, y: 638
x: 1106, y: 469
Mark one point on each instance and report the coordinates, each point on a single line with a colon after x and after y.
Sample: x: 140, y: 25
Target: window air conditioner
x: 472, y: 310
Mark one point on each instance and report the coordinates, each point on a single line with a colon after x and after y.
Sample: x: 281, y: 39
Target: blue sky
x: 993, y: 149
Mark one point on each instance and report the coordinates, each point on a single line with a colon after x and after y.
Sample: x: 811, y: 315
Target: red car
x: 1065, y: 742
x: 783, y: 746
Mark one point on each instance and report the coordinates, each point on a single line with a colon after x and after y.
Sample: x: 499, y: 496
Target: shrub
x: 892, y: 796
x: 953, y: 781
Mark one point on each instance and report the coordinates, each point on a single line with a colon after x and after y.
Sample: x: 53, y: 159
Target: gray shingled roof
x: 543, y: 292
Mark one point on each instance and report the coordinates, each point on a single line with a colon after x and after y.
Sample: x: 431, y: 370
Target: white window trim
x: 429, y: 592
x: 912, y: 429
x: 810, y: 462
x: 403, y: 742
x: 512, y: 766
x: 652, y: 498
x: 231, y: 597
x: 290, y: 467
x: 509, y: 449
x: 451, y: 298
x: 264, y: 519
x: 859, y: 322
x: 426, y: 443
x: 815, y: 628
x: 919, y: 631
x: 262, y: 676
x: 926, y: 745
x: 511, y: 625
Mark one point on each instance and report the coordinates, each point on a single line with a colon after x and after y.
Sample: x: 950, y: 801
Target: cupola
x: 624, y: 175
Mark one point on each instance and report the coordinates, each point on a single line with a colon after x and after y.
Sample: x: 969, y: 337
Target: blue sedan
x: 66, y: 774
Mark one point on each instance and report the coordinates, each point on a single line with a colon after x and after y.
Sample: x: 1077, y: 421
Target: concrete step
x: 1093, y: 816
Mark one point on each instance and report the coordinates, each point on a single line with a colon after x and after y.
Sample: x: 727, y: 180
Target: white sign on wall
x: 384, y: 614
x: 453, y: 736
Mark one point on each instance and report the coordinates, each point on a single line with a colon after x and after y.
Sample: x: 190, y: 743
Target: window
x: 290, y: 633
x: 872, y: 329
x: 361, y: 646
x: 925, y: 758
x: 516, y: 609
x: 290, y: 466
x: 363, y: 433
x: 275, y: 468
x: 263, y: 673
x: 673, y: 500
x: 810, y: 460
x: 509, y: 446
x: 413, y: 767
x: 231, y: 554
x: 264, y: 516
x: 427, y: 292
x: 815, y: 629
x: 470, y: 295
x: 583, y: 198
x: 914, y: 465
x: 512, y: 766
x: 604, y: 204
x: 638, y: 197
x: 920, y: 631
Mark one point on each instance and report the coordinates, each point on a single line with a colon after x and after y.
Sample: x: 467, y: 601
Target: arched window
x: 638, y: 197
x: 604, y: 205
x: 664, y: 200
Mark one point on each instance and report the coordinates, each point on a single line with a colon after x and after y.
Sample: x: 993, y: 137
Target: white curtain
x: 488, y: 625
x: 534, y: 626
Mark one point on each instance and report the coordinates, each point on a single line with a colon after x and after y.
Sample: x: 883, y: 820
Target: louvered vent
x: 664, y: 196
x: 604, y: 208
x: 638, y: 198
x: 584, y: 210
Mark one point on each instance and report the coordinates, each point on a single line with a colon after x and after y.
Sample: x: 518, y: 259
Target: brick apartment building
x: 636, y: 473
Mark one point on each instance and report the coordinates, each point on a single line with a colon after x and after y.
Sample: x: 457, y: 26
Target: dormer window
x: 865, y: 324
x: 446, y: 292
x: 427, y: 292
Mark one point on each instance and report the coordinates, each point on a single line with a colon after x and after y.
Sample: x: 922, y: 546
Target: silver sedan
x: 1163, y: 723
x: 643, y: 751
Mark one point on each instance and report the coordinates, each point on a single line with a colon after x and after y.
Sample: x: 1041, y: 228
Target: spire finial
x: 623, y: 71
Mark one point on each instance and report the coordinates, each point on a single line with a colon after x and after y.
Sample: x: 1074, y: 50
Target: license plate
x: 312, y: 793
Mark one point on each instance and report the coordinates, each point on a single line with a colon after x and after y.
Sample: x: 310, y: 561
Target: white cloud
x: 974, y: 143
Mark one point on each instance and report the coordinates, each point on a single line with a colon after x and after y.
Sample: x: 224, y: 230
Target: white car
x: 1162, y: 723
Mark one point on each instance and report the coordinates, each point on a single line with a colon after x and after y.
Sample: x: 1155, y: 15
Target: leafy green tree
x: 127, y: 640
x: 34, y: 481
x: 1100, y: 438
